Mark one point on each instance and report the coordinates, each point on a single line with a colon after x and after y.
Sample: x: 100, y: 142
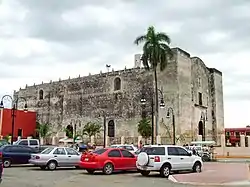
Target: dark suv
x: 16, y: 154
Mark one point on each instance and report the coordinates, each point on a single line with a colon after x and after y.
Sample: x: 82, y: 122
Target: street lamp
x: 170, y: 109
x: 162, y: 105
x: 14, y: 103
x: 204, y: 119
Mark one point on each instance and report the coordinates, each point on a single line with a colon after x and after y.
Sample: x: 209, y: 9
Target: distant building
x: 25, y: 123
x: 194, y: 91
x: 232, y: 135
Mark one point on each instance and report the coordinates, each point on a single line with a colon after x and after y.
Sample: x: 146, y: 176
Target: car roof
x: 158, y: 145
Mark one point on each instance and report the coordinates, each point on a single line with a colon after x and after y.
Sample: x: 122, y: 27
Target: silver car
x: 54, y: 157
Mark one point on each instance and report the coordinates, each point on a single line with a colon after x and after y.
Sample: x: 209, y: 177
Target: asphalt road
x: 34, y: 177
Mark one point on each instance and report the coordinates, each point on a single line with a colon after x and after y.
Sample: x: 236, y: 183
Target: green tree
x: 44, y: 130
x: 69, y: 133
x: 156, y: 52
x: 144, y: 128
x: 91, y: 129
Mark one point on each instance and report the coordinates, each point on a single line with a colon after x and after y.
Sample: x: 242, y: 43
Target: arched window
x: 41, y: 94
x: 69, y: 131
x: 111, y: 128
x: 117, y: 83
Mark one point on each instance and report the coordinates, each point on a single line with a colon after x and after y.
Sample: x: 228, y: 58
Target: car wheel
x: 43, y: 167
x: 165, y: 171
x: 145, y: 173
x: 90, y: 171
x: 6, y: 163
x: 197, y: 167
x: 108, y: 169
x: 52, y: 165
x: 205, y: 158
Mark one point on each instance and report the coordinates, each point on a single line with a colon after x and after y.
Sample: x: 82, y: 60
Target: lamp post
x: 170, y: 109
x: 204, y: 119
x: 162, y: 105
x: 14, y: 103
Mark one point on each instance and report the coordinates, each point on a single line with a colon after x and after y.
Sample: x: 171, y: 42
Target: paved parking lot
x: 34, y: 177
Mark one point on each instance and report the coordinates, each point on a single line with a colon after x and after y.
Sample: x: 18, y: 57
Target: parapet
x: 180, y: 51
x: 214, y: 70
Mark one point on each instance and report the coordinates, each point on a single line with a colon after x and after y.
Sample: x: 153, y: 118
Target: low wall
x: 232, y: 152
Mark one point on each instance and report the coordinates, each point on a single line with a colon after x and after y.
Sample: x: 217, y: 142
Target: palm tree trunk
x: 156, y: 102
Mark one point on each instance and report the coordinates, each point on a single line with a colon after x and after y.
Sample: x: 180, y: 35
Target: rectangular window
x: 200, y: 98
x: 237, y: 134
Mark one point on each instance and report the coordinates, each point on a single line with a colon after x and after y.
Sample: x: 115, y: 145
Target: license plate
x: 86, y: 159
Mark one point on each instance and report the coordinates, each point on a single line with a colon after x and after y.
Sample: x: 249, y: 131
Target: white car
x: 54, y: 157
x: 129, y: 147
x: 167, y: 158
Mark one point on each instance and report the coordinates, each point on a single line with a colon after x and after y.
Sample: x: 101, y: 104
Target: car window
x: 59, y: 151
x: 99, y: 151
x: 114, y: 153
x: 47, y: 150
x: 33, y: 142
x: 17, y: 149
x: 129, y: 148
x: 182, y: 152
x: 23, y: 142
x: 127, y: 154
x: 71, y: 151
x: 154, y: 150
x: 173, y: 151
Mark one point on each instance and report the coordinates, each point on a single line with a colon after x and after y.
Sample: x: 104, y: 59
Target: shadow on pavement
x: 115, y: 173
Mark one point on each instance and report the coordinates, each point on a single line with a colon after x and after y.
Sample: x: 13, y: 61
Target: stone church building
x: 192, y: 90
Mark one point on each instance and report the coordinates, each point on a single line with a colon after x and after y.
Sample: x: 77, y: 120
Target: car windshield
x: 47, y: 150
x: 99, y: 151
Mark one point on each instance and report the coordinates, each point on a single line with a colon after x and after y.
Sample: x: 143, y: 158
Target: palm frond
x: 163, y: 37
x: 140, y: 39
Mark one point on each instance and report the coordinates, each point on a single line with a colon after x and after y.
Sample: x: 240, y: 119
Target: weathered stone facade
x: 189, y: 87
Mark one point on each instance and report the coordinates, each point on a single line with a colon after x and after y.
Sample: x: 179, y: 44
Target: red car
x: 108, y: 160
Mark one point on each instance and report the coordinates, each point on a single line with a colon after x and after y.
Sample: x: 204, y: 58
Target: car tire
x: 90, y: 171
x: 205, y: 158
x: 165, y: 170
x: 52, y: 165
x: 108, y: 169
x: 43, y: 167
x: 145, y: 173
x: 6, y: 163
x: 197, y: 167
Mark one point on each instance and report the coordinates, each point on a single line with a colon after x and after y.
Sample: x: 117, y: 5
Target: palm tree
x: 91, y: 129
x: 144, y: 128
x: 44, y: 130
x: 156, y: 52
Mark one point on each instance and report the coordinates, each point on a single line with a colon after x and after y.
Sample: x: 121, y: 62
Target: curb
x: 237, y: 183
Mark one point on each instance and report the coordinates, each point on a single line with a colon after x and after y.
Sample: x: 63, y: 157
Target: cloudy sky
x: 42, y: 40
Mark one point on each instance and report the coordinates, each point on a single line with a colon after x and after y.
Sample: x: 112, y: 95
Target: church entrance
x: 201, y: 128
x: 111, y: 129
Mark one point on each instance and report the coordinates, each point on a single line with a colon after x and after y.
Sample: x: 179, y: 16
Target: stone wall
x: 83, y: 99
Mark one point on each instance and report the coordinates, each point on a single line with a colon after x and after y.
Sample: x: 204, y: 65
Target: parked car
x: 54, y: 157
x: 108, y: 160
x: 16, y: 154
x: 167, y: 158
x: 34, y: 143
x: 1, y: 166
x: 4, y: 142
x: 130, y: 147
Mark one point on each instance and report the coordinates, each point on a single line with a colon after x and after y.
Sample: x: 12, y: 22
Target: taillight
x: 157, y: 159
x: 37, y: 157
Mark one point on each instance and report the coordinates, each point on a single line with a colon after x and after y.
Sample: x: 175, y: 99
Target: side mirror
x: 189, y: 154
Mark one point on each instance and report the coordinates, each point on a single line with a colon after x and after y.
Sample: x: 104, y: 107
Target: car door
x: 20, y: 154
x: 73, y: 157
x: 173, y: 158
x: 116, y: 158
x: 128, y: 160
x: 184, y: 158
x: 60, y: 156
x: 23, y: 143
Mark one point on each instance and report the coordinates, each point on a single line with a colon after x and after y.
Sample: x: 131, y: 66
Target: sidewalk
x: 217, y: 174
